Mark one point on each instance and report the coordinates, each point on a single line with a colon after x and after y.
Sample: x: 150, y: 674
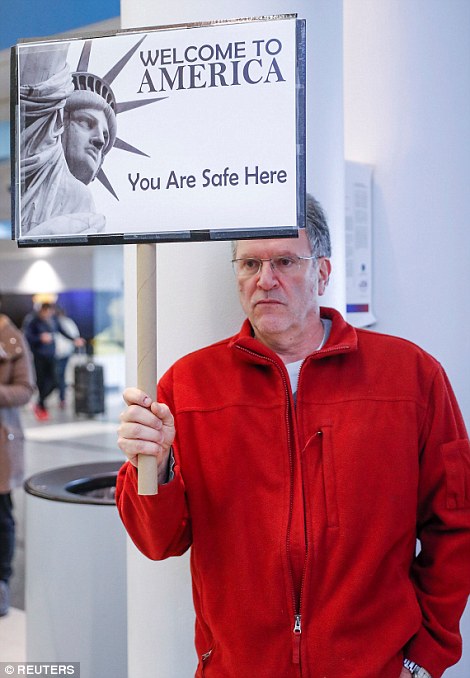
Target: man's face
x: 84, y: 138
x: 46, y: 313
x: 281, y: 307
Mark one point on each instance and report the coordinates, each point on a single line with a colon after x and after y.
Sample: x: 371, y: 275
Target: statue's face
x: 85, y: 136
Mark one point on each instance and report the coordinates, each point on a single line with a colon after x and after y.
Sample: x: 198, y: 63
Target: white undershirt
x: 293, y: 369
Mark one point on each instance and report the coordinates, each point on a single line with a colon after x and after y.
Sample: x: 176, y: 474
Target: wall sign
x: 358, y: 212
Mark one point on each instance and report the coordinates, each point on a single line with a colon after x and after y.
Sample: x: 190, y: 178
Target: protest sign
x: 161, y: 134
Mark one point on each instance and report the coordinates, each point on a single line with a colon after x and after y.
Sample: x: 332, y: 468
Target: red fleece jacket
x: 303, y: 520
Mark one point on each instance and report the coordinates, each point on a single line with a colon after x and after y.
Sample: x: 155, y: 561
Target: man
x: 299, y: 460
x: 40, y: 332
x: 69, y: 127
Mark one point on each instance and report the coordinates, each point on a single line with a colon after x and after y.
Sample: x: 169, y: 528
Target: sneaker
x: 41, y: 413
x: 4, y: 598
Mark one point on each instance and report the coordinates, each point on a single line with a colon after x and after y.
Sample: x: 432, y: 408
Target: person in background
x: 16, y: 389
x: 64, y: 348
x: 40, y: 332
x: 300, y: 460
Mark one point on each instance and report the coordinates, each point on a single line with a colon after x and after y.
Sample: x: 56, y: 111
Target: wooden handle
x: 147, y: 349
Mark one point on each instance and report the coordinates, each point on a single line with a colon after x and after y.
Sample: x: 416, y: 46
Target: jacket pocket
x: 329, y: 477
x: 456, y: 457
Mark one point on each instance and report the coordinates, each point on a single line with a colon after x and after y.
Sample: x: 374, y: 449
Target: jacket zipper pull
x: 206, y: 656
x: 297, y: 630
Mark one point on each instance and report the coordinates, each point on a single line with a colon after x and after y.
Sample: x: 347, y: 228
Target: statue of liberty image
x: 68, y: 127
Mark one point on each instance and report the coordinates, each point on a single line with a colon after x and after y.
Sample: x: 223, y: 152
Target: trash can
x: 75, y: 562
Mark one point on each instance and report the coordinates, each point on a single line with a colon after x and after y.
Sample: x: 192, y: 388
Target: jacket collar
x: 342, y: 339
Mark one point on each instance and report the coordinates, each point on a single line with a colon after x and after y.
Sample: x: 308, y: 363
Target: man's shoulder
x: 202, y: 370
x: 205, y: 353
x: 394, y: 347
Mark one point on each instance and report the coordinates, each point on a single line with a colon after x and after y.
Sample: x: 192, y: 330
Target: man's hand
x: 46, y: 338
x: 404, y: 673
x: 147, y: 427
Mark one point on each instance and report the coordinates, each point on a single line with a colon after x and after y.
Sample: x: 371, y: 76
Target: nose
x: 98, y: 143
x: 267, y: 278
x: 97, y: 138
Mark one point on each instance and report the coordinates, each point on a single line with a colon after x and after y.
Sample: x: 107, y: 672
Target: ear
x: 324, y: 270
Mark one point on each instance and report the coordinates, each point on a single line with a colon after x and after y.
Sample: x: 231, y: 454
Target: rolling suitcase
x: 89, y: 388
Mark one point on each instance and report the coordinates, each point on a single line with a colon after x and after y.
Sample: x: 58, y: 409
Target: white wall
x: 108, y: 267
x: 407, y: 112
x: 197, y: 303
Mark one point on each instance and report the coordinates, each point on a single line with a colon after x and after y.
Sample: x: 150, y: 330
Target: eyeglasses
x: 285, y: 264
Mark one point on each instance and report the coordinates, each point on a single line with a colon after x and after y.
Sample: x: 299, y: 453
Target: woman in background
x: 16, y: 388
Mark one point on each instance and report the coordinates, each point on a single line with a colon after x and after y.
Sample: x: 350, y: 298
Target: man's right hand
x: 147, y: 427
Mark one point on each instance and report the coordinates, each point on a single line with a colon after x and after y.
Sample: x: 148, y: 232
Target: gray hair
x: 316, y: 229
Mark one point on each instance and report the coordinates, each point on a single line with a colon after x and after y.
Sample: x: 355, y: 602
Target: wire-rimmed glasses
x: 284, y: 264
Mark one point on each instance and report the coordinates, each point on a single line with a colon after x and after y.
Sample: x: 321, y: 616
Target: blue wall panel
x: 41, y: 18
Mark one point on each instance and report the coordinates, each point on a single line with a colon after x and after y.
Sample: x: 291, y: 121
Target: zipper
x: 296, y: 603
x: 205, y: 661
x: 297, y: 631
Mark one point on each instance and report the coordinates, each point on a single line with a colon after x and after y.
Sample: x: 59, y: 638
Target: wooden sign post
x: 147, y: 349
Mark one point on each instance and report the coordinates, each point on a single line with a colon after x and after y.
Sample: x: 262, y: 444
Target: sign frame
x: 238, y: 230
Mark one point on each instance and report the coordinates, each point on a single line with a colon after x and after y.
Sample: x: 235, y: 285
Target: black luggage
x: 89, y: 388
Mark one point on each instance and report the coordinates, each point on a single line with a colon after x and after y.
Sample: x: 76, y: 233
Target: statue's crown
x: 93, y: 83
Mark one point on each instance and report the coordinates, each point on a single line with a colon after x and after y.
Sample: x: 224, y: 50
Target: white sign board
x: 161, y: 134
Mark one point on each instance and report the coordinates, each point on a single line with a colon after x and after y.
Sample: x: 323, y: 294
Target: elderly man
x: 299, y: 460
x: 69, y: 127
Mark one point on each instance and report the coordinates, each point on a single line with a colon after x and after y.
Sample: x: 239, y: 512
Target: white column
x: 197, y: 303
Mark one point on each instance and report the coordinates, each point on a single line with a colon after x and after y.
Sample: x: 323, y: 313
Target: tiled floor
x: 67, y: 439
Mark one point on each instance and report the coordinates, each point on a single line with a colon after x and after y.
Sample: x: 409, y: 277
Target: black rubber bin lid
x: 93, y: 483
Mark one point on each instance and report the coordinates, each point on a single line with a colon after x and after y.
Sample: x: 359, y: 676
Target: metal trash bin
x: 75, y: 562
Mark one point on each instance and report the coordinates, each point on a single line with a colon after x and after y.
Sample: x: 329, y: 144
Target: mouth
x: 267, y: 302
